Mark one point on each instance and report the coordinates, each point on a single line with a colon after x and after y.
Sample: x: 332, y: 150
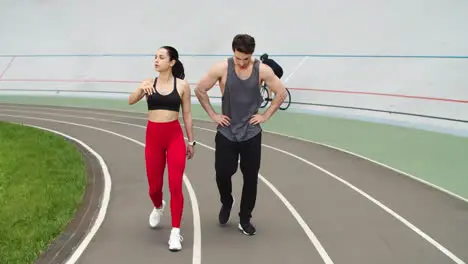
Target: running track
x: 315, y: 204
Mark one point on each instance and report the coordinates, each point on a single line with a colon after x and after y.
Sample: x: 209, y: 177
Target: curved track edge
x: 441, y: 189
x: 446, y: 191
x: 207, y: 128
x: 349, y: 152
x: 70, y: 243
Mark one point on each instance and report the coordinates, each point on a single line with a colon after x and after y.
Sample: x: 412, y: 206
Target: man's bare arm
x: 205, y: 84
x: 276, y: 86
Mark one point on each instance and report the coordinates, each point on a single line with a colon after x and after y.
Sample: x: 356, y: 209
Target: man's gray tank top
x: 240, y: 101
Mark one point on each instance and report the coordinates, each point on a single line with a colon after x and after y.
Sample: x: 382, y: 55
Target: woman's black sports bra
x: 157, y: 101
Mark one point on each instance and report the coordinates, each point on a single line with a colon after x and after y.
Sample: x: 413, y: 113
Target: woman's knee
x: 175, y: 188
x: 176, y: 174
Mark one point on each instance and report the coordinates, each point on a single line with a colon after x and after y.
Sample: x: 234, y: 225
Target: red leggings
x: 166, y: 140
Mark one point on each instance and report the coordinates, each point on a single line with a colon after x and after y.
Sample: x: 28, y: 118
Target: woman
x: 164, y: 137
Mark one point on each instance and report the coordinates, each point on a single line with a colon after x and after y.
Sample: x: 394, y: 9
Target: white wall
x: 394, y: 80
x: 363, y: 27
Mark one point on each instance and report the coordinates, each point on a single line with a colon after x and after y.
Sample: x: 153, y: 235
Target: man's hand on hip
x: 257, y: 119
x: 221, y: 119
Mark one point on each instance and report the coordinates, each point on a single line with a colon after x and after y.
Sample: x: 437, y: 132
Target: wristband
x: 192, y: 143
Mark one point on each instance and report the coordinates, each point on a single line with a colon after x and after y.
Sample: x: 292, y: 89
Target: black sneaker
x: 247, y: 228
x: 225, y: 213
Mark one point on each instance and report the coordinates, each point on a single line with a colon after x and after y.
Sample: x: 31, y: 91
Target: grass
x: 42, y: 181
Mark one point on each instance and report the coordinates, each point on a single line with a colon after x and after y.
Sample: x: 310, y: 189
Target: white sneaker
x: 155, y: 216
x: 175, y: 240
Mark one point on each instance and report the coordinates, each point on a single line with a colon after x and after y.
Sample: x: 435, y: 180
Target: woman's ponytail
x: 178, y: 70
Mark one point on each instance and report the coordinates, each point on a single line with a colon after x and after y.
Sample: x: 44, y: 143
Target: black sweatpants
x: 227, y: 154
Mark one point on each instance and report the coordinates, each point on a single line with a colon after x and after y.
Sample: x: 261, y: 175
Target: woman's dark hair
x: 178, y: 68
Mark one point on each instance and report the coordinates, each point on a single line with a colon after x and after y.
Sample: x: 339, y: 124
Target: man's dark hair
x: 243, y: 43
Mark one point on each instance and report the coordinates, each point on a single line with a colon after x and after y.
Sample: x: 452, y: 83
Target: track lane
x: 294, y: 149
x: 316, y: 243
x: 225, y: 240
x: 129, y: 207
x: 273, y: 221
x: 69, y: 245
x: 432, y: 211
x: 352, y: 229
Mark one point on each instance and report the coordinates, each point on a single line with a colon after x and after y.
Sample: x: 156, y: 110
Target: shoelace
x: 177, y: 237
x: 158, y: 210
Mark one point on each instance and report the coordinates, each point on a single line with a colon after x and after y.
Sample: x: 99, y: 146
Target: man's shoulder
x: 220, y: 67
x: 263, y: 68
x: 222, y: 64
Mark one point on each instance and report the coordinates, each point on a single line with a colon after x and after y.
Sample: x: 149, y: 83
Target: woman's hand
x: 190, y: 151
x: 147, y: 88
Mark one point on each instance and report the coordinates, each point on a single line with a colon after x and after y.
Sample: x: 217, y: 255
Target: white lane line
x: 382, y: 206
x: 7, y: 67
x: 78, y: 110
x: 105, y: 198
x: 312, y: 237
x: 373, y: 200
x: 369, y: 197
x: 299, y: 65
x: 283, y: 135
x: 454, y: 195
x: 196, y: 259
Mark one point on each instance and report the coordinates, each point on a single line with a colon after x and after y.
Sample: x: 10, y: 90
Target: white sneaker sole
x: 162, y: 212
x: 243, y: 231
x: 175, y: 249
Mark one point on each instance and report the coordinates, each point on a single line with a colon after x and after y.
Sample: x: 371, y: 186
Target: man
x: 239, y: 130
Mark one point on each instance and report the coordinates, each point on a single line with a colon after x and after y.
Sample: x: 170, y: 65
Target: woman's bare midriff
x: 162, y: 116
